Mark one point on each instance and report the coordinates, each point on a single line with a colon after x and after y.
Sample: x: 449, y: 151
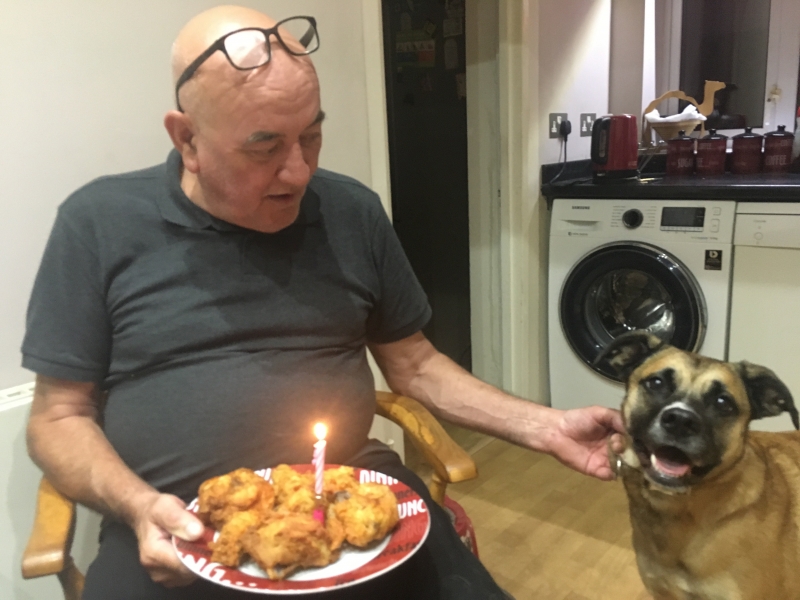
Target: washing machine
x: 620, y: 265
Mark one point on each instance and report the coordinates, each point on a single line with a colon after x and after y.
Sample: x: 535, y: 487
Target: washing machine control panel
x: 683, y: 218
x: 632, y: 218
x: 652, y: 220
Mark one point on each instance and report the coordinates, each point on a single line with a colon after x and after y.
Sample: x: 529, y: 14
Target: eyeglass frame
x: 219, y: 44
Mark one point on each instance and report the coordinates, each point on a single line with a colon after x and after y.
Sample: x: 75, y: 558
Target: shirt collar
x: 176, y: 207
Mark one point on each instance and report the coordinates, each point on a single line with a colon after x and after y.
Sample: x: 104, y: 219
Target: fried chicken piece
x: 287, y: 542
x: 219, y: 498
x: 302, y: 501
x: 340, y: 479
x: 334, y: 527
x: 368, y: 514
x: 227, y: 549
x: 292, y: 489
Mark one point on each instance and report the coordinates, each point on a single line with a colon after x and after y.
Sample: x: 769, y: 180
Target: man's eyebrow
x: 262, y: 136
x: 268, y: 136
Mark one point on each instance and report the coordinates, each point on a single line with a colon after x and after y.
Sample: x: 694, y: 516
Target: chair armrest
x: 47, y: 552
x: 450, y: 462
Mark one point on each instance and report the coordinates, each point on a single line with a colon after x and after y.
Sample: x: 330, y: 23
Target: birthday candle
x: 319, y: 457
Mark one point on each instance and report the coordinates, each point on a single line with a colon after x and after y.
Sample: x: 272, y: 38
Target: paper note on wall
x: 415, y: 49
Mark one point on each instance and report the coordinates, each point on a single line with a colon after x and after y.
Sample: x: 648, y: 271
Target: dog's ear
x: 768, y: 395
x: 630, y: 350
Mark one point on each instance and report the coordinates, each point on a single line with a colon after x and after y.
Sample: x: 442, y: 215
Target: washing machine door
x: 623, y: 286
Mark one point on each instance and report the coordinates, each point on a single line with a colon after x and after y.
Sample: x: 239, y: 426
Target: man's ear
x: 180, y: 128
x: 768, y: 395
x: 630, y: 350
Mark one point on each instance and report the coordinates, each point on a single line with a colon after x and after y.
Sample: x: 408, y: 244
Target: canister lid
x: 748, y: 133
x: 713, y: 135
x: 681, y: 136
x: 781, y: 132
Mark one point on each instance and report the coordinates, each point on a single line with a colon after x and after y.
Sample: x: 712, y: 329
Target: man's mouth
x: 282, y: 197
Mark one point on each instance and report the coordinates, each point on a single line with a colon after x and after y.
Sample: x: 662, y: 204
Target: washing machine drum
x: 625, y: 286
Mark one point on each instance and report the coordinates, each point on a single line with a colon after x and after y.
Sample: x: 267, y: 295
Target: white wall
x: 84, y: 86
x: 83, y: 89
x: 20, y: 479
x: 573, y: 56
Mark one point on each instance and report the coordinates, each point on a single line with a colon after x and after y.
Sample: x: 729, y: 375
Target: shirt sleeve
x: 68, y: 334
x: 402, y: 308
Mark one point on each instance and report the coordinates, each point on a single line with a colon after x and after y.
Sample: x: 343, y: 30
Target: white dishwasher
x: 765, y: 295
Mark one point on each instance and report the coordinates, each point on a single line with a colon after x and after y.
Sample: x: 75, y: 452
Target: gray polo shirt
x: 220, y: 346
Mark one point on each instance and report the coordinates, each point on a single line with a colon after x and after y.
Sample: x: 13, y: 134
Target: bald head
x: 249, y: 139
x: 216, y: 75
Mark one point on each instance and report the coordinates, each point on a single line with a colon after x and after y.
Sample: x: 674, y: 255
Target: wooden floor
x: 546, y: 532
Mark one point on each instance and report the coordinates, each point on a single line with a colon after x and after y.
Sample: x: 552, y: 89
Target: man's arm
x: 577, y: 438
x: 66, y: 442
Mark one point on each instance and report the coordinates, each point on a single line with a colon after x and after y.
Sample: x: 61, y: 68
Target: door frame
x: 508, y: 217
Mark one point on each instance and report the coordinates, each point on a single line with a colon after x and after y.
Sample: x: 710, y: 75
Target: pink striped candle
x: 318, y: 461
x: 319, y: 457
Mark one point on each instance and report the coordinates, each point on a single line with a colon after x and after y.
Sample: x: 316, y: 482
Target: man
x: 218, y: 305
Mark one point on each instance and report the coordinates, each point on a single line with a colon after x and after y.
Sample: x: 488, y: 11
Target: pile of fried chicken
x: 273, y: 521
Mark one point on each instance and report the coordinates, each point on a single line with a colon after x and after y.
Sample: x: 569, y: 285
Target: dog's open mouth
x: 667, y: 465
x: 670, y: 462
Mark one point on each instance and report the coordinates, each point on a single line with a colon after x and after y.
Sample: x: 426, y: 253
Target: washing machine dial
x: 632, y: 218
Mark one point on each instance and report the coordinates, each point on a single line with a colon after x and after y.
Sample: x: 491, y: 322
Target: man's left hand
x: 579, y: 439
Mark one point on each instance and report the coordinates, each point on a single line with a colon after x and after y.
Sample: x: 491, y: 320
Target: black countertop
x: 576, y: 182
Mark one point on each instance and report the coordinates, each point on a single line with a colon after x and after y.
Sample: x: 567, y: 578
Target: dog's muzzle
x: 675, y: 449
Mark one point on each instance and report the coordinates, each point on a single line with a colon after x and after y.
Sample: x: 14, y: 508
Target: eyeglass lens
x: 302, y: 30
x: 249, y: 49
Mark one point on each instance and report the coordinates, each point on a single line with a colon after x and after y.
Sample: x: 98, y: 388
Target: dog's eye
x: 725, y: 405
x: 654, y: 383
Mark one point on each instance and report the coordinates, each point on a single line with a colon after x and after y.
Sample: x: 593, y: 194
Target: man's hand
x: 162, y: 516
x: 580, y: 440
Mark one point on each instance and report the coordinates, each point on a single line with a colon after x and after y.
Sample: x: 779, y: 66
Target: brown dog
x: 715, y: 508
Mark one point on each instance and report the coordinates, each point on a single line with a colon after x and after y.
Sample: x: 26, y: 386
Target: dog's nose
x: 681, y: 422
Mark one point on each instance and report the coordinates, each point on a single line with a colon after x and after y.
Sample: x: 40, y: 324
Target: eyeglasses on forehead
x: 249, y: 47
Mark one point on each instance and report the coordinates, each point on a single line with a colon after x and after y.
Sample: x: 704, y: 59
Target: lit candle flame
x: 320, y: 431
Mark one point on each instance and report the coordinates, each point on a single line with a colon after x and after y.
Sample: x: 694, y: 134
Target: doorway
x: 424, y: 54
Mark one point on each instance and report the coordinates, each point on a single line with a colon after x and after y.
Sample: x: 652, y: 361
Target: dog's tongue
x: 668, y: 467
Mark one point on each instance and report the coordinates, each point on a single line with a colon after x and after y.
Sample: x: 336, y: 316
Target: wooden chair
x: 48, y: 549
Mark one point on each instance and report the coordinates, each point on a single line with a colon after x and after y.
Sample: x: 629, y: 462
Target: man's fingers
x: 617, y: 443
x: 162, y: 563
x: 170, y: 514
x: 613, y: 420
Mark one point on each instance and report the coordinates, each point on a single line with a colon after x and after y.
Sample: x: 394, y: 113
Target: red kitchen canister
x: 711, y: 153
x: 680, y: 155
x: 778, y: 150
x: 746, y: 157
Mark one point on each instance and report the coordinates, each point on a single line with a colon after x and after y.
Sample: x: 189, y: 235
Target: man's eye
x: 308, y: 140
x: 654, y: 383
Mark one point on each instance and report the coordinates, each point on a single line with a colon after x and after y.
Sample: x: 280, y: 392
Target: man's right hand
x: 161, y: 516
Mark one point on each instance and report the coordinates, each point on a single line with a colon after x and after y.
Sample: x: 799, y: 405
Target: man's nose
x: 295, y: 170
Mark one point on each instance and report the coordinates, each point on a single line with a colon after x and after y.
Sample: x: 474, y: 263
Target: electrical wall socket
x: 554, y: 123
x: 587, y: 120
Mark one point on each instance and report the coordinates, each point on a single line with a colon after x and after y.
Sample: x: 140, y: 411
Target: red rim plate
x: 353, y: 567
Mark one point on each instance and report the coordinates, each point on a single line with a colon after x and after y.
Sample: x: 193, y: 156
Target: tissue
x: 689, y: 114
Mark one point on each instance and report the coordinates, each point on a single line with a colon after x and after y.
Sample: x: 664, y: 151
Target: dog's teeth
x: 668, y: 468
